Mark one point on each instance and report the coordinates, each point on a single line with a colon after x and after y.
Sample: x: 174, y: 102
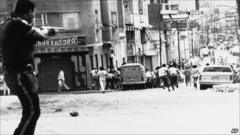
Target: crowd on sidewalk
x: 105, y: 79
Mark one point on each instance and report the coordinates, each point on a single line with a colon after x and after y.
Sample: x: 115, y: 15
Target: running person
x: 163, y: 76
x: 195, y: 74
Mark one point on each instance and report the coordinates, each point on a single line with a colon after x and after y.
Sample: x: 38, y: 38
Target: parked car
x: 214, y: 75
x: 133, y: 75
x: 4, y: 90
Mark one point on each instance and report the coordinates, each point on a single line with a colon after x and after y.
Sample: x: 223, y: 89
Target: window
x: 130, y: 36
x: 40, y: 20
x: 140, y: 6
x: 71, y: 21
x: 106, y: 57
x: 91, y: 60
x: 114, y: 19
x: 174, y: 7
x: 167, y: 7
x: 96, y: 58
x: 217, y: 69
x: 102, y: 61
x: 164, y: 1
x: 127, y: 5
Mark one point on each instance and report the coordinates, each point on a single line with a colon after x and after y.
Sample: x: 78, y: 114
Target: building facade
x: 113, y: 32
x: 137, y: 31
x: 89, y: 36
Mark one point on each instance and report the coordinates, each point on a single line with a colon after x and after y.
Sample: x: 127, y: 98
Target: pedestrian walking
x: 118, y: 78
x: 109, y: 79
x: 102, y: 79
x: 156, y: 80
x: 112, y: 74
x: 61, y: 81
x: 195, y: 74
x: 174, y: 73
x: 187, y: 73
x: 17, y: 44
x: 95, y: 79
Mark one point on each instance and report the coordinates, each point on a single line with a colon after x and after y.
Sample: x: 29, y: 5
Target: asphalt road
x: 149, y: 111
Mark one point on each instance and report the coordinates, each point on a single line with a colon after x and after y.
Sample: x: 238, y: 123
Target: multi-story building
x: 113, y: 32
x: 84, y: 40
x: 159, y: 30
x: 137, y: 31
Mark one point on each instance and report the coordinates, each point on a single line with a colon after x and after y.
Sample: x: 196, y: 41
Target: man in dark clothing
x: 173, y: 74
x: 187, y: 73
x: 17, y: 43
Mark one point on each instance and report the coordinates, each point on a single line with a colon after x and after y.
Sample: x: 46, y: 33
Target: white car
x: 214, y: 75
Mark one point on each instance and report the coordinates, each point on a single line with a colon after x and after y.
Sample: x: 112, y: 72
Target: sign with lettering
x: 66, y: 41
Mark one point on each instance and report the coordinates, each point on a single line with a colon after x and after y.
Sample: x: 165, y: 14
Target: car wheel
x: 125, y: 87
x: 144, y: 86
x: 202, y: 87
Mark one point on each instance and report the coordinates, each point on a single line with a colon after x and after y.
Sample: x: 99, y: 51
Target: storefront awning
x: 60, y: 49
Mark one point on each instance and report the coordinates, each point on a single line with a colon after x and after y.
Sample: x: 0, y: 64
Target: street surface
x: 150, y: 111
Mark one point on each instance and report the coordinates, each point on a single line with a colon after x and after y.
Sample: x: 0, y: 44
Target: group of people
x: 169, y: 76
x: 191, y: 73
x: 105, y: 79
x: 166, y: 76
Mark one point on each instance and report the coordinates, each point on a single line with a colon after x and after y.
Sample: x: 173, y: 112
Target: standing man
x: 187, y: 73
x: 17, y: 43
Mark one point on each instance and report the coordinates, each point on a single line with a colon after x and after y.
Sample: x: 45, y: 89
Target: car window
x: 217, y: 69
x: 131, y: 68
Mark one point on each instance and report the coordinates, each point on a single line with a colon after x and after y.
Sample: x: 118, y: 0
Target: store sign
x: 59, y: 42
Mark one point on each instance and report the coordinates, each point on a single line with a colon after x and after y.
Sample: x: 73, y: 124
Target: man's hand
x: 51, y: 32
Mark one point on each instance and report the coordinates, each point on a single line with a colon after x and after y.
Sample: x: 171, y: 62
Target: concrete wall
x: 85, y: 8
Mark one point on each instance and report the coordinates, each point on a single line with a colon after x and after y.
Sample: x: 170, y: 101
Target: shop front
x: 67, y: 53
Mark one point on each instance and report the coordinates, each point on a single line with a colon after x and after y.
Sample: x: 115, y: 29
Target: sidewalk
x: 79, y: 92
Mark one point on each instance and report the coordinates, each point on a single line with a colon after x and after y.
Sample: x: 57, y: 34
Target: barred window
x: 40, y: 20
x: 71, y: 21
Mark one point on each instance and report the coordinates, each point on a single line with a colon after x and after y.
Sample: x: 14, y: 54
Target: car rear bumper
x: 132, y: 83
x: 214, y: 83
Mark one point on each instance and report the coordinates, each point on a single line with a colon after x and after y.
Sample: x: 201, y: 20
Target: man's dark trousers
x: 24, y: 85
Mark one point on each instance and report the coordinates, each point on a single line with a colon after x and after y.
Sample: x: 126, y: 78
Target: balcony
x: 129, y: 18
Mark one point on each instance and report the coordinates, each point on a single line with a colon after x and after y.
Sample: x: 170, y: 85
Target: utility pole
x: 160, y: 32
x: 238, y: 9
x: 192, y: 42
x: 179, y: 53
x: 197, y: 4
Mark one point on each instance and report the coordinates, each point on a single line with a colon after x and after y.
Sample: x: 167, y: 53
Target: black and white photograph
x: 111, y: 67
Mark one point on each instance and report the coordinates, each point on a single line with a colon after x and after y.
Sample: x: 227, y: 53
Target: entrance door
x: 148, y: 63
x: 48, y: 73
